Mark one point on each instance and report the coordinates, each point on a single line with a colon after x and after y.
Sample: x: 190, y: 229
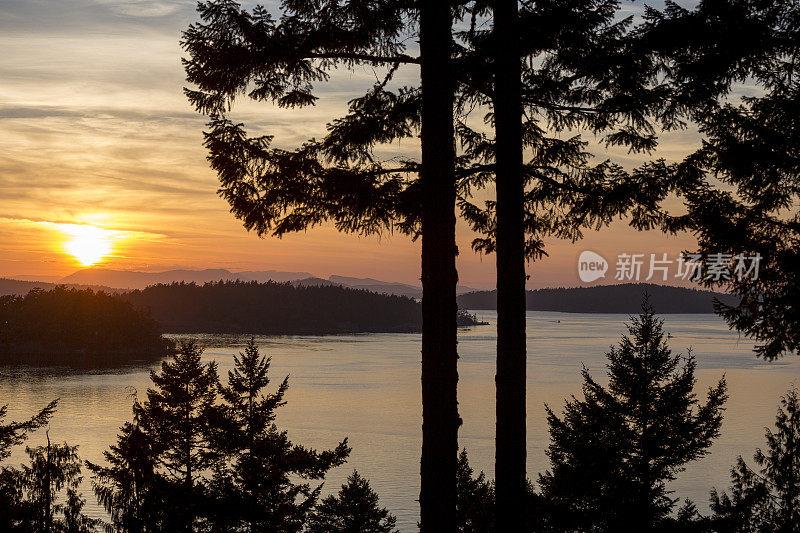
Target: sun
x: 88, y: 244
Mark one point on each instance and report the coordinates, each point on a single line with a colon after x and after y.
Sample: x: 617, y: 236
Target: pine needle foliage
x: 613, y: 452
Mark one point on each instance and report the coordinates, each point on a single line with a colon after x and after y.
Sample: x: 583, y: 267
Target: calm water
x: 366, y: 388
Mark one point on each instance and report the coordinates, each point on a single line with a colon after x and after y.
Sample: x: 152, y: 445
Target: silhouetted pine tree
x: 13, y: 510
x: 255, y: 484
x: 475, y: 510
x: 547, y: 72
x: 131, y: 489
x: 742, y: 187
x: 74, y: 519
x: 584, y: 68
x: 15, y: 433
x: 355, y: 509
x: 53, y: 468
x: 767, y: 500
x: 340, y: 178
x: 613, y: 452
x: 175, y: 418
x: 437, y: 184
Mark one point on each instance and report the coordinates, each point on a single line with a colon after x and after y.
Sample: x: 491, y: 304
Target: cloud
x: 134, y: 115
x: 62, y: 17
x: 146, y: 8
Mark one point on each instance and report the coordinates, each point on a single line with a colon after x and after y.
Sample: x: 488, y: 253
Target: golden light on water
x: 89, y: 244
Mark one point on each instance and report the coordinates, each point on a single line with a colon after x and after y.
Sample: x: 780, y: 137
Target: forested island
x: 625, y: 298
x: 271, y: 308
x: 76, y: 327
x: 84, y: 327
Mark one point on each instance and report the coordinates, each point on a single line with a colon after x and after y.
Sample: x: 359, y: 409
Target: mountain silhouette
x: 387, y: 287
x: 18, y: 287
x: 124, y: 279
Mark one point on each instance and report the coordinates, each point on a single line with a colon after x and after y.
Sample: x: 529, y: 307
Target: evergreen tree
x: 74, y: 519
x: 354, y: 510
x: 546, y: 70
x: 53, y: 468
x: 131, y: 489
x: 340, y: 178
x: 475, y: 510
x: 613, y: 452
x: 175, y: 418
x: 767, y: 500
x: 255, y: 486
x: 13, y: 509
x: 14, y: 433
x: 511, y: 441
x: 583, y: 69
x: 742, y: 186
x: 437, y: 184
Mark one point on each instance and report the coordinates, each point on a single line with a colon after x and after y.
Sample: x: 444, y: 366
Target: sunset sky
x: 101, y: 159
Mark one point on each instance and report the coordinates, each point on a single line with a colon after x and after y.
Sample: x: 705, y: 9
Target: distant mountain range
x: 22, y: 287
x: 374, y: 285
x: 125, y: 279
x: 625, y: 298
x: 117, y: 280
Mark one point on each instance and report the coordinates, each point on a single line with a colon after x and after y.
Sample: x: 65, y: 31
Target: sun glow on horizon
x: 88, y: 244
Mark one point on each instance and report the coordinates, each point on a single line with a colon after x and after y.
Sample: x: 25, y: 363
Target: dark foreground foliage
x: 202, y: 456
x: 766, y: 499
x: 613, y: 452
x: 76, y: 327
x: 42, y: 495
x: 353, y: 510
x: 741, y: 187
x: 197, y: 456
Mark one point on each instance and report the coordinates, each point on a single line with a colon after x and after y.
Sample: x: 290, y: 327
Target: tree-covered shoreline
x: 616, y: 299
x: 77, y: 328
x: 271, y: 308
x: 84, y: 328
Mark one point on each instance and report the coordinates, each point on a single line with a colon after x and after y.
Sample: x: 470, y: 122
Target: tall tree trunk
x: 440, y: 419
x: 510, y: 455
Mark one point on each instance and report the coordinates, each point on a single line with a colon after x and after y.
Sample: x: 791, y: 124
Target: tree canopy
x: 354, y: 509
x: 584, y: 69
x: 742, y: 186
x: 766, y: 499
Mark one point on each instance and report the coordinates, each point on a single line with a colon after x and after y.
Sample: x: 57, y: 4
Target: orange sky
x: 94, y: 130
